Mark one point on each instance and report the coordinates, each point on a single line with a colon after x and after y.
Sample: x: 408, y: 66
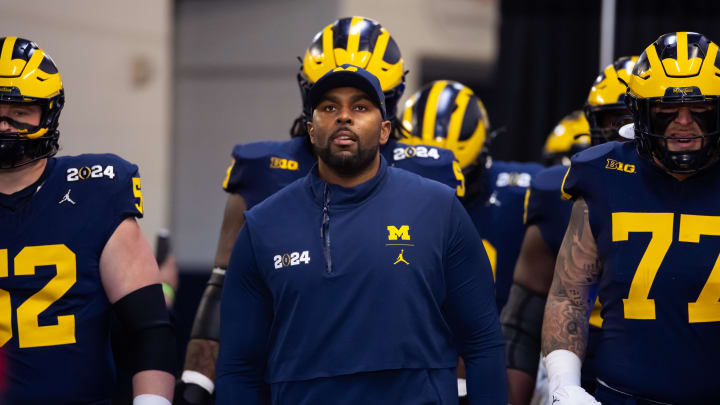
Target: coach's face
x: 347, y: 130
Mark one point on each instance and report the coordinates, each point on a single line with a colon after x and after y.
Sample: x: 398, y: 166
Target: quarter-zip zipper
x: 325, y: 230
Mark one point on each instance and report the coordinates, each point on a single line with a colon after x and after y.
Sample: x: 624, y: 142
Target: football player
x: 70, y: 251
x: 448, y: 114
x: 570, y: 135
x: 260, y: 169
x: 546, y: 217
x: 643, y: 230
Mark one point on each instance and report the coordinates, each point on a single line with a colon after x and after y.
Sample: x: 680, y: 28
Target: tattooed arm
x: 565, y: 325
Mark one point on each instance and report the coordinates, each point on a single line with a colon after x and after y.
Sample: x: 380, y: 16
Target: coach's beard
x: 345, y: 165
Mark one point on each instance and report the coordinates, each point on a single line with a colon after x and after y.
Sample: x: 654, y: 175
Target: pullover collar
x: 339, y: 196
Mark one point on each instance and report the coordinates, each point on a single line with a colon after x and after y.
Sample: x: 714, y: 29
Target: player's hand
x: 190, y: 394
x: 572, y: 395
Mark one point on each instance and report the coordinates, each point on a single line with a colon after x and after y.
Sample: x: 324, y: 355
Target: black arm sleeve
x: 152, y: 336
x: 207, y: 318
x: 521, y: 322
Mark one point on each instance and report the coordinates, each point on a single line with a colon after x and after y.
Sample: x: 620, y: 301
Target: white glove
x: 572, y: 395
x: 563, y: 368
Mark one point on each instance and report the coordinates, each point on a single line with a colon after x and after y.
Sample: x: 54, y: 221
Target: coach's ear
x: 311, y: 131
x: 385, y: 129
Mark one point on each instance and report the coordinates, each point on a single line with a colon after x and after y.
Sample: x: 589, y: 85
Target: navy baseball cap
x: 349, y: 76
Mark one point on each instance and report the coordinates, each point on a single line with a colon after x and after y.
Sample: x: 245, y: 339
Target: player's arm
x: 565, y: 326
x: 472, y: 313
x: 198, y: 377
x: 131, y: 280
x: 233, y: 220
x: 521, y: 318
x: 247, y: 314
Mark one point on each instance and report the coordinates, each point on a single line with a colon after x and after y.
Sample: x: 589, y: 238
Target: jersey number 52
x: 30, y: 333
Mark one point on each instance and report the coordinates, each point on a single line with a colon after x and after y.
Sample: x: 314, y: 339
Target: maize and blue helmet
x: 449, y: 115
x: 355, y: 41
x: 679, y: 69
x: 570, y: 136
x: 29, y: 76
x: 605, y: 108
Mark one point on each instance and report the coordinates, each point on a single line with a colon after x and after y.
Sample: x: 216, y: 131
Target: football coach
x: 359, y: 283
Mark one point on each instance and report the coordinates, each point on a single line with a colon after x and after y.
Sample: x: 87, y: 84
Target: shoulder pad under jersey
x: 431, y: 162
x: 545, y: 208
x: 260, y: 169
x: 588, y: 166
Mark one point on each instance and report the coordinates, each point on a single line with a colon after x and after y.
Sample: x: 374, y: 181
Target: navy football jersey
x: 499, y: 219
x: 54, y: 314
x: 545, y: 207
x: 431, y: 162
x: 658, y: 239
x: 262, y: 168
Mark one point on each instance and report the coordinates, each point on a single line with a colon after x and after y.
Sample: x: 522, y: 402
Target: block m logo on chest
x: 402, y: 233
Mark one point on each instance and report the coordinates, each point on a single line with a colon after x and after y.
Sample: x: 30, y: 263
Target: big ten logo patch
x: 513, y: 179
x: 291, y: 259
x: 285, y: 164
x: 613, y: 164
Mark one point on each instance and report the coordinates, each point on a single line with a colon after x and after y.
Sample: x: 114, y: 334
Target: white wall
x: 114, y: 60
x: 236, y: 63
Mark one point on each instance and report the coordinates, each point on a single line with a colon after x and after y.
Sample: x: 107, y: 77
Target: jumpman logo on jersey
x: 493, y: 200
x: 400, y: 258
x: 67, y: 198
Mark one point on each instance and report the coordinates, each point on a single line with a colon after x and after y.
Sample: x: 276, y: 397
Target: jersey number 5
x: 30, y: 333
x: 137, y: 193
x: 460, y: 177
x: 660, y: 225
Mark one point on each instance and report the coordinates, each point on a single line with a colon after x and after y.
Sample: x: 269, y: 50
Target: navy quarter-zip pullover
x: 362, y: 295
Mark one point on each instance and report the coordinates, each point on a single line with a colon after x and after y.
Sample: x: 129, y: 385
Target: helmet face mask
x: 357, y: 41
x: 29, y: 76
x: 674, y: 96
x: 605, y: 123
x: 702, y: 139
